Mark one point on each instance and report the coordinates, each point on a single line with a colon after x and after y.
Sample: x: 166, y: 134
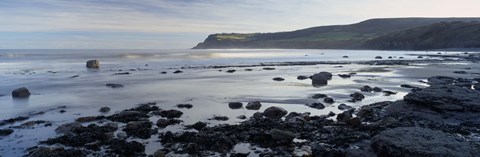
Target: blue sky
x: 177, y: 24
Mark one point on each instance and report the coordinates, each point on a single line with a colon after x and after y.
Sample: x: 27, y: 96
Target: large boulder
x: 326, y: 74
x: 446, y: 98
x: 93, y: 64
x: 319, y: 80
x: 254, y: 105
x: 275, y: 112
x: 421, y: 142
x: 21, y: 93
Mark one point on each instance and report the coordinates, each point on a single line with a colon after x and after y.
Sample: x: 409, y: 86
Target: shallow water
x: 47, y: 73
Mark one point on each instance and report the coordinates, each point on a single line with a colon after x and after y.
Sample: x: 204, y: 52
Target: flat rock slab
x: 421, y: 142
x: 446, y: 98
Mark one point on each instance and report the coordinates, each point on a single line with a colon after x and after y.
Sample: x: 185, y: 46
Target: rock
x: 275, y: 112
x: 420, y: 57
x: 219, y: 118
x: 197, y: 126
x: 122, y: 135
x: 344, y: 75
x: 124, y: 73
x: 388, y: 93
x: 177, y: 71
x: 171, y: 113
x: 390, y: 57
x: 366, y: 88
x: 326, y: 74
x: 344, y: 56
x: 304, y: 151
x: 124, y: 148
x: 356, y: 121
x: 253, y: 105
x: 241, y: 117
x: 328, y: 100
x: 278, y: 79
x: 316, y: 105
x: 114, y: 85
x: 357, y: 97
x: 331, y: 114
x: 377, y: 89
x: 93, y: 64
x: 283, y: 136
x: 55, y: 151
x: 235, y: 105
x: 460, y: 72
x: 440, y: 80
x: 239, y: 154
x: 5, y: 132
x: 231, y: 71
x: 416, y: 141
x: 104, y: 109
x: 188, y: 106
x: 268, y: 68
x: 159, y: 153
x: 378, y: 57
x: 140, y: 129
x: 248, y: 69
x: 162, y: 123
x: 344, y: 107
x: 163, y: 72
x: 127, y: 116
x: 302, y: 77
x: 67, y: 128
x: 407, y: 86
x: 21, y: 93
x: 446, y: 98
x: 318, y: 96
x: 319, y: 80
x: 344, y: 116
x: 89, y: 119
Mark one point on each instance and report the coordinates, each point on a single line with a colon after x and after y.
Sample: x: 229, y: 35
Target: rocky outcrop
x: 446, y: 98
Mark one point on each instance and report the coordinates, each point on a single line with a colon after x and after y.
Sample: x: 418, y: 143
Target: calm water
x: 47, y: 73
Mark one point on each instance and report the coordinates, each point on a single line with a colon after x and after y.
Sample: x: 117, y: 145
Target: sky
x: 181, y: 24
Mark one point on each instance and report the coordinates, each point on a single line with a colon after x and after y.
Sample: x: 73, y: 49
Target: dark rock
x: 331, y: 114
x: 344, y: 116
x: 254, y: 105
x: 248, y: 69
x: 239, y: 154
x: 302, y: 77
x: 268, y: 68
x: 188, y: 106
x: 390, y: 57
x: 177, y: 71
x: 407, y: 86
x: 328, y: 100
x: 5, y: 132
x: 21, y: 93
x: 460, y: 72
x: 197, y: 126
x: 235, y: 105
x: 440, y: 80
x: 140, y: 129
x: 415, y: 141
x: 344, y: 56
x: 377, y: 89
x: 124, y: 73
x: 231, y: 71
x: 344, y: 107
x: 162, y: 123
x: 219, y: 118
x: 326, y: 74
x: 344, y: 75
x: 357, y: 97
x: 13, y: 120
x: 316, y: 105
x: 89, y: 119
x: 420, y: 57
x: 114, y: 85
x: 93, y: 64
x: 378, y: 57
x: 318, y: 96
x: 127, y: 116
x: 388, y: 93
x: 282, y: 136
x: 275, y: 112
x: 446, y: 98
x: 159, y: 153
x: 356, y: 121
x: 171, y: 113
x: 90, y: 137
x: 319, y: 80
x: 241, y: 117
x: 366, y: 89
x: 278, y: 79
x: 55, y: 152
x: 104, y: 109
x: 124, y: 148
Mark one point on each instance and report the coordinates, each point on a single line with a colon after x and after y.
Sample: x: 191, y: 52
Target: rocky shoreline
x: 440, y: 120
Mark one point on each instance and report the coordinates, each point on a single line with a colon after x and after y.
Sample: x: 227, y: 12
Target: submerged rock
x: 188, y: 106
x: 415, y: 141
x: 278, y: 79
x: 104, y: 109
x: 254, y: 105
x: 5, y: 132
x: 235, y: 105
x: 344, y: 75
x: 357, y: 97
x: 316, y: 105
x: 302, y: 77
x: 344, y: 107
x: 319, y: 80
x: 366, y: 89
x: 21, y: 93
x: 93, y: 64
x: 114, y: 85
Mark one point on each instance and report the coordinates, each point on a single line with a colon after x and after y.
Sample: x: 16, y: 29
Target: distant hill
x: 354, y: 36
